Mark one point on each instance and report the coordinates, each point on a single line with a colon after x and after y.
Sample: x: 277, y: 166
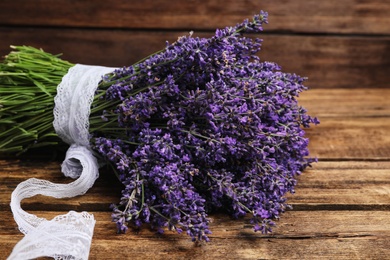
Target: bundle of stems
x: 28, y: 84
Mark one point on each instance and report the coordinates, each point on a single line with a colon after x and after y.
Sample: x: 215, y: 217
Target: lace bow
x: 66, y: 236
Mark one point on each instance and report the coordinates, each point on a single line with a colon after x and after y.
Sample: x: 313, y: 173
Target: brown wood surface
x: 303, y: 16
x: 328, y: 62
x: 336, y: 44
x: 341, y: 208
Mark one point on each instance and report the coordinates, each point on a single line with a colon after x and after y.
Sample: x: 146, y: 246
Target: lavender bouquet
x: 201, y: 125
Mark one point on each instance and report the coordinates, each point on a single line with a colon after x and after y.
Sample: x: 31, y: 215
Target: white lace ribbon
x: 66, y: 236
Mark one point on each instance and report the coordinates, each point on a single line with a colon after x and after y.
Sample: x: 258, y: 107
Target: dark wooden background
x: 335, y: 43
x: 341, y: 209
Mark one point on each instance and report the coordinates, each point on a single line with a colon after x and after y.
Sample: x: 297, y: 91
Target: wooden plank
x: 298, y: 235
x: 359, y: 102
x: 332, y: 16
x: 350, y: 138
x: 344, y: 185
x: 327, y: 185
x: 328, y: 62
x: 332, y: 62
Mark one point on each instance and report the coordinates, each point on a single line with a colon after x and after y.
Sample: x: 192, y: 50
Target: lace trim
x: 66, y: 236
x: 73, y: 101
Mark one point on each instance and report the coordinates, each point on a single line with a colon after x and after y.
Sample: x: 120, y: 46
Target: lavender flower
x: 204, y: 125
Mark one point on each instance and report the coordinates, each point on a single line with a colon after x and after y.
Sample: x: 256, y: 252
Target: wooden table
x: 341, y: 209
x: 342, y: 204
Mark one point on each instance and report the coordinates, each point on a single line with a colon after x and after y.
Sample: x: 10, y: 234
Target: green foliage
x: 28, y: 84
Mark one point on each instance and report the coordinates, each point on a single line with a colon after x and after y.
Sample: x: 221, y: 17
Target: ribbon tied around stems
x: 66, y: 236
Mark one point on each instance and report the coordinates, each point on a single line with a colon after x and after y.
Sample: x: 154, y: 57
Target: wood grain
x: 343, y: 185
x: 351, y: 138
x: 328, y: 61
x: 299, y: 235
x: 341, y: 208
x: 359, y: 102
x: 309, y: 16
x: 327, y: 185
